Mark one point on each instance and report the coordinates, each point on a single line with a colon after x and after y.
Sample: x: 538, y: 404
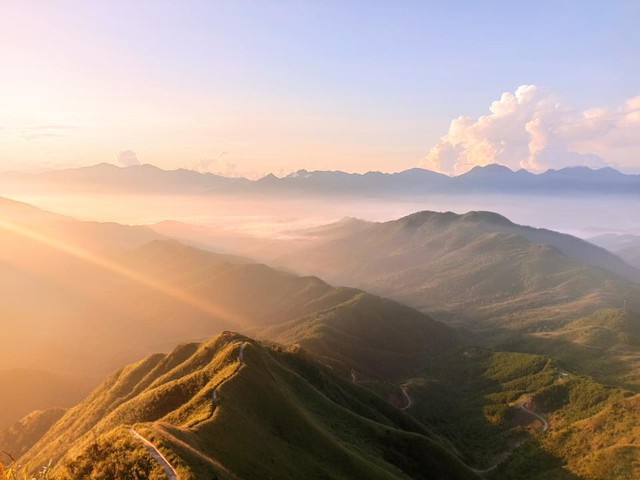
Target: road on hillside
x: 403, y: 388
x: 545, y: 424
x: 545, y: 427
x: 157, y: 455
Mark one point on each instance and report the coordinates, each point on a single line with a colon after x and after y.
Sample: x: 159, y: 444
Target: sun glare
x: 112, y: 266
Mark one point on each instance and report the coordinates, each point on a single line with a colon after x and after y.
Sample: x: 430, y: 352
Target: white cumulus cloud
x: 127, y: 158
x: 532, y: 129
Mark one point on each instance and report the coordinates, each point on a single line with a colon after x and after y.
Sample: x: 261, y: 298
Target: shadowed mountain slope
x: 22, y: 435
x: 358, y: 334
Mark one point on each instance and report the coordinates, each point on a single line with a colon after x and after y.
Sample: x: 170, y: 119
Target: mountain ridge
x: 492, y: 178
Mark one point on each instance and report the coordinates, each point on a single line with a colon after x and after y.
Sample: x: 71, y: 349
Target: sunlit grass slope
x: 279, y: 415
x: 594, y: 435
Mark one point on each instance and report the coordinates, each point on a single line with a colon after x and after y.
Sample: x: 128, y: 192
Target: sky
x: 252, y: 87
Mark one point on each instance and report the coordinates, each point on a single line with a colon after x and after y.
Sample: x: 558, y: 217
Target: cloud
x: 532, y: 129
x: 127, y: 158
x: 218, y: 165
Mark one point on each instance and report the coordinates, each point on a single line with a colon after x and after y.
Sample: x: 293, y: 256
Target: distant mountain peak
x: 491, y: 168
x: 419, y: 218
x: 269, y: 178
x: 487, y: 217
x: 300, y: 174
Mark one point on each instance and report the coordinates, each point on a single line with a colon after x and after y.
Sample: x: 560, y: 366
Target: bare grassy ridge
x: 279, y: 415
x: 282, y: 413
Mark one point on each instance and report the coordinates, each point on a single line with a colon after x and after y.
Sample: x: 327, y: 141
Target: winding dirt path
x: 403, y: 389
x: 171, y: 472
x: 215, y: 398
x: 503, y: 456
x: 545, y: 423
x: 166, y: 431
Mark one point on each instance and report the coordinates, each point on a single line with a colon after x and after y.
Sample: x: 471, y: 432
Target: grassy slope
x: 279, y: 416
x: 593, y: 436
x: 603, y: 345
x: 280, y: 406
x: 470, y: 396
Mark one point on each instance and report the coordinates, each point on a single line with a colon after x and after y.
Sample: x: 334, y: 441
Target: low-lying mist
x: 279, y: 217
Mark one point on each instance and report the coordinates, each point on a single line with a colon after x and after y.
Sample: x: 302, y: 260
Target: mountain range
x: 104, y: 178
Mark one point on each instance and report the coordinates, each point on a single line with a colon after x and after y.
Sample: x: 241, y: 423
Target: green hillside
x: 281, y: 414
x: 478, y: 400
x: 278, y: 415
x: 594, y: 436
x: 378, y: 337
x: 603, y: 345
x: 605, y: 328
x: 478, y: 267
